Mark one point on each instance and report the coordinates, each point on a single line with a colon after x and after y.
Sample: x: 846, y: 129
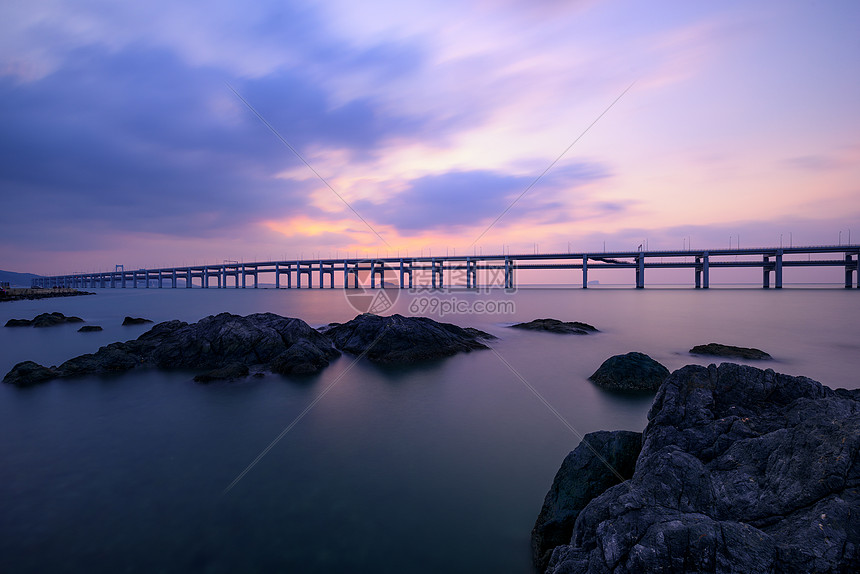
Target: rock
x: 478, y: 334
x: 89, y: 329
x: 43, y: 320
x: 217, y: 342
x: 741, y: 470
x: 113, y: 358
x: 303, y: 358
x: 583, y: 475
x: 556, y: 326
x: 228, y: 373
x: 630, y: 372
x: 719, y: 350
x: 28, y: 373
x: 400, y: 340
x: 135, y: 321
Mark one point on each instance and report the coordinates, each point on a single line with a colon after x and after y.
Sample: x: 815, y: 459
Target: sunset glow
x: 124, y: 144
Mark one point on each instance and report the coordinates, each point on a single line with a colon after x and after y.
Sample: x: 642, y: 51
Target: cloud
x: 137, y: 141
x: 814, y: 163
x: 470, y: 199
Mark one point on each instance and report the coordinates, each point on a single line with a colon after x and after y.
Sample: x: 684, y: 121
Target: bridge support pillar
x: 509, y: 274
x: 189, y: 281
x: 698, y: 272
x: 173, y: 279
x: 405, y: 269
x: 777, y: 275
x: 851, y: 266
x: 585, y: 271
x: 326, y: 269
x: 471, y: 273
x: 437, y: 270
x: 377, y: 268
x: 347, y: 272
x: 640, y: 272
x: 765, y: 272
x: 706, y: 271
x: 277, y: 276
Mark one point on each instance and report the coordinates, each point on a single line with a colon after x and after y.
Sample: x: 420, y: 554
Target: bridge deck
x: 772, y: 260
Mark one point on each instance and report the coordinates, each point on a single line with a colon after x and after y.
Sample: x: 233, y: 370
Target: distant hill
x: 17, y: 279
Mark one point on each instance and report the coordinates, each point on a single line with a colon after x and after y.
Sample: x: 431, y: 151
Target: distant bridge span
x: 462, y: 270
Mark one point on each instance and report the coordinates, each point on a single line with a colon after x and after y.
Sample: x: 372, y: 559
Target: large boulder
x: 742, y: 470
x: 601, y: 460
x: 556, y: 326
x: 219, y: 340
x: 225, y: 345
x: 630, y: 372
x: 399, y: 340
x: 730, y: 351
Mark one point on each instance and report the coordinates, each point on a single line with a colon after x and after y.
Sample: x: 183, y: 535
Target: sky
x: 169, y: 133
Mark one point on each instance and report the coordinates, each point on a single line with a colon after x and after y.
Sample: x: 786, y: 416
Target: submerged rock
x: 718, y: 350
x: 630, y: 372
x: 282, y: 344
x: 90, y: 329
x: 585, y: 473
x: 556, y: 326
x: 399, y: 340
x: 43, y: 320
x: 227, y: 373
x: 741, y: 470
x: 135, y: 321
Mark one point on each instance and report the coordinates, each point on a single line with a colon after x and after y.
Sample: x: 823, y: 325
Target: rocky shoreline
x: 228, y: 347
x: 739, y: 470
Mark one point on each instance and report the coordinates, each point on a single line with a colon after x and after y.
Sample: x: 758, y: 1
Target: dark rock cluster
x: 741, y: 470
x: 729, y: 351
x: 556, y: 326
x: 229, y: 346
x: 601, y: 460
x: 43, y: 320
x: 397, y: 339
x: 217, y: 344
x: 630, y: 372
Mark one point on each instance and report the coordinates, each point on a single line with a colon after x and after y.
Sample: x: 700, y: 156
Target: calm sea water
x: 441, y: 467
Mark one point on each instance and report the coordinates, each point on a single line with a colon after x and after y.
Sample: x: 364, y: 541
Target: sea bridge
x: 466, y: 270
